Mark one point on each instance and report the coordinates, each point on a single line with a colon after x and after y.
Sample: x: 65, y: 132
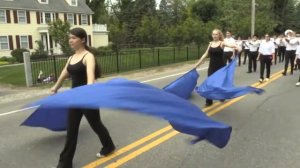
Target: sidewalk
x: 8, y: 95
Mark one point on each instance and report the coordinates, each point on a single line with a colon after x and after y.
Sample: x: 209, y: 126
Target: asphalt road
x: 265, y: 132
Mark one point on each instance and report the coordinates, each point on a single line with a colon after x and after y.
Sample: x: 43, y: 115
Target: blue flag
x: 220, y: 85
x: 185, y: 85
x: 135, y: 97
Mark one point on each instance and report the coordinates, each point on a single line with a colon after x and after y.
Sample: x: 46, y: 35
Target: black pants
x: 281, y: 53
x: 246, y: 54
x: 265, y: 62
x: 239, y: 55
x: 252, y: 61
x: 227, y: 56
x: 276, y: 52
x: 289, y: 57
x: 74, y: 118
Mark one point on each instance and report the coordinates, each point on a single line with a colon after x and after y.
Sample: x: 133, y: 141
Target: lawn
x: 109, y: 62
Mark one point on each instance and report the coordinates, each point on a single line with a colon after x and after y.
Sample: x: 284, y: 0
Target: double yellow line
x: 165, y: 133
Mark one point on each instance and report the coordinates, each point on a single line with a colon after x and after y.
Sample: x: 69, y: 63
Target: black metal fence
x: 48, y: 69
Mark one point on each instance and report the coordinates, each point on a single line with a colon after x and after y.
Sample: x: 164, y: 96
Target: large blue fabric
x: 185, y: 85
x: 132, y: 96
x: 220, y: 85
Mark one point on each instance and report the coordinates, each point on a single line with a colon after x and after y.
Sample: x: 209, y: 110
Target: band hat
x: 288, y: 31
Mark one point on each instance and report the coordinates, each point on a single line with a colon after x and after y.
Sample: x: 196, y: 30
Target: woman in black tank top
x: 215, y: 52
x: 81, y: 68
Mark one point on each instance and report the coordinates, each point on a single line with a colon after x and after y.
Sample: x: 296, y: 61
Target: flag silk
x: 220, y: 85
x: 135, y: 97
x: 185, y: 85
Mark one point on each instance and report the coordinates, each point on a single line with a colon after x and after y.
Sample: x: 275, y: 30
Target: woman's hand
x: 53, y: 90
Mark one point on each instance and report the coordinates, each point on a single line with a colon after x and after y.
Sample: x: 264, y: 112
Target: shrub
x: 18, y: 54
x: 39, y: 51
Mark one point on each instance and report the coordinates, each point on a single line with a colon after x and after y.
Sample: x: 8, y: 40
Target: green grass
x: 13, y: 75
x: 127, y: 60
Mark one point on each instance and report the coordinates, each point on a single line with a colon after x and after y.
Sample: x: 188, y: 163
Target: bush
x: 10, y: 60
x: 39, y: 51
x: 4, y: 63
x: 18, y: 54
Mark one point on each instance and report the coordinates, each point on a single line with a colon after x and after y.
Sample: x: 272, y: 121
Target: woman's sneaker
x: 106, y: 151
x: 298, y: 84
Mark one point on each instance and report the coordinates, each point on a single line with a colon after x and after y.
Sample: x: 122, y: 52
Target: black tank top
x: 216, y: 59
x: 78, y: 73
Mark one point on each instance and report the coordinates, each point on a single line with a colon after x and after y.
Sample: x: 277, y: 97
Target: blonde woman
x: 215, y: 51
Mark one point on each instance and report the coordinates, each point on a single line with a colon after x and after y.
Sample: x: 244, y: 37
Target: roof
x: 53, y: 6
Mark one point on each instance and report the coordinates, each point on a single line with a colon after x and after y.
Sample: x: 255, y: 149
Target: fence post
x: 187, y: 53
x: 118, y: 68
x: 27, y: 68
x: 54, y: 67
x: 174, y: 56
x: 158, y: 57
x: 140, y: 57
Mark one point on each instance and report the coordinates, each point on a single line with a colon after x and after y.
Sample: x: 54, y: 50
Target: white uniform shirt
x: 298, y: 52
x: 273, y: 40
x: 253, y: 45
x: 229, y: 41
x: 246, y: 45
x: 280, y: 42
x: 292, y: 44
x: 267, y: 48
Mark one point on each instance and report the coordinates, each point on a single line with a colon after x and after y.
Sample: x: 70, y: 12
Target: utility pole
x: 253, y: 18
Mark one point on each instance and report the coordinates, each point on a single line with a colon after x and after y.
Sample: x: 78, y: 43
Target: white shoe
x: 261, y: 80
x: 98, y: 155
x: 267, y: 79
x: 298, y: 84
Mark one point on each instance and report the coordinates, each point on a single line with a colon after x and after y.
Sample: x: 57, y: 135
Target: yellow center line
x: 168, y: 136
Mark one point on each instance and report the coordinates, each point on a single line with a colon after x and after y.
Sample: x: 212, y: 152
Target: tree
x: 59, y: 31
x: 100, y: 11
x: 150, y: 32
x: 205, y: 10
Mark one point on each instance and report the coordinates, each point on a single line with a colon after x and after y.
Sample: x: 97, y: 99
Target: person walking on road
x: 228, y: 52
x: 291, y: 43
x: 246, y: 49
x: 281, y: 48
x: 215, y: 51
x: 82, y: 69
x: 253, y: 48
x: 297, y: 61
x: 266, y: 55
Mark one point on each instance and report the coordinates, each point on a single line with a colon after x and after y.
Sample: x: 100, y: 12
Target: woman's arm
x: 90, y: 68
x: 64, y: 74
x: 203, y: 56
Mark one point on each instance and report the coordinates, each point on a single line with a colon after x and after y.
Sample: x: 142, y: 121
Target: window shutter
x: 15, y: 16
x: 75, y: 19
x: 8, y: 16
x: 79, y: 19
x: 18, y: 41
x: 30, y: 41
x: 57, y: 16
x: 51, y: 42
x: 90, y: 40
x: 88, y: 17
x: 65, y: 17
x: 28, y: 17
x: 38, y: 18
x: 11, y: 44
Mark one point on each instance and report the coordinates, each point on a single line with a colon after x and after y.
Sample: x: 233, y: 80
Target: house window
x: 22, y: 17
x: 2, y: 16
x: 4, y: 45
x: 44, y: 1
x: 74, y: 2
x: 24, y: 42
x: 84, y: 19
x: 70, y: 18
x: 47, y: 17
